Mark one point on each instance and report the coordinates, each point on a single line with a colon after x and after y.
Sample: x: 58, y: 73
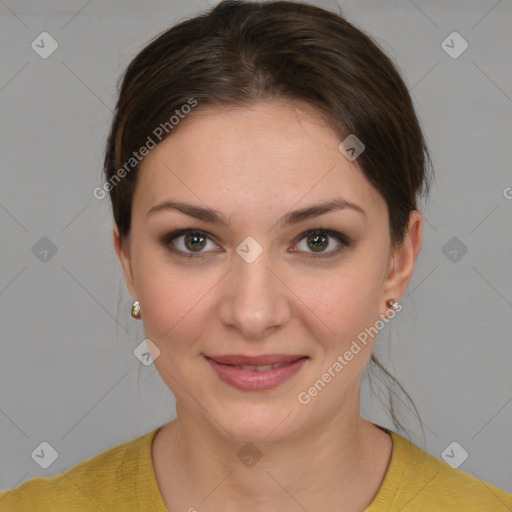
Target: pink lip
x: 253, y: 380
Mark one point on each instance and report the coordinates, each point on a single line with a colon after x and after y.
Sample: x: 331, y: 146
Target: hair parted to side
x: 239, y: 53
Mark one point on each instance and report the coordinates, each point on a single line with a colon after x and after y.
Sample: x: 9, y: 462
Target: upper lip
x: 267, y: 359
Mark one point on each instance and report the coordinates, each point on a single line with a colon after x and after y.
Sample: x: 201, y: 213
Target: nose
x: 255, y: 300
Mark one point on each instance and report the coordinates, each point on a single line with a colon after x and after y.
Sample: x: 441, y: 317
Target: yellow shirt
x: 122, y: 479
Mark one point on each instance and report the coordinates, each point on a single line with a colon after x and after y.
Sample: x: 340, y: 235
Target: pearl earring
x: 392, y: 303
x: 136, y: 310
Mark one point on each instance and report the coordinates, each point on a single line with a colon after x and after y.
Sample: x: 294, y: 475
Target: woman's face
x: 257, y: 283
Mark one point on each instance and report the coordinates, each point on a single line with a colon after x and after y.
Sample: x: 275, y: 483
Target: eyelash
x: 344, y: 240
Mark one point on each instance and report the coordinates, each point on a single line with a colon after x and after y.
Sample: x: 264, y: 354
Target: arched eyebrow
x: 291, y: 218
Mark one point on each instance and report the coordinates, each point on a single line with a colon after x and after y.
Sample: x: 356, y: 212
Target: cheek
x: 173, y: 306
x: 344, y: 304
x: 175, y: 312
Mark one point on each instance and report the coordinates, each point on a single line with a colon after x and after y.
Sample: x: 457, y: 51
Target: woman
x: 264, y: 163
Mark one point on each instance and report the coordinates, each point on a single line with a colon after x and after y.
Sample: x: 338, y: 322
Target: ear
x: 122, y: 249
x: 403, y: 259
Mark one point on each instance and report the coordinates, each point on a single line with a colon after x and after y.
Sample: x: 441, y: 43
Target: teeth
x: 258, y: 368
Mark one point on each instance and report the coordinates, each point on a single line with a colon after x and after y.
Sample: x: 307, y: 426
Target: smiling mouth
x: 264, y: 373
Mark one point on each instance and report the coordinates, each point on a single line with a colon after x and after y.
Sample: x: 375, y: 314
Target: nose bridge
x: 255, y: 299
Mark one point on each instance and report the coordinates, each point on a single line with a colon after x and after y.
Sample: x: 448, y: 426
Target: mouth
x: 256, y: 373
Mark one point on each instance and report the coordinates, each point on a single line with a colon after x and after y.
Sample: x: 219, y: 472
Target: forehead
x: 277, y: 151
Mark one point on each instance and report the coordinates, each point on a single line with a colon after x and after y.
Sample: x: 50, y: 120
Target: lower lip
x: 252, y: 380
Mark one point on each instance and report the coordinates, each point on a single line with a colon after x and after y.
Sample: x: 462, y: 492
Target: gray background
x: 67, y: 372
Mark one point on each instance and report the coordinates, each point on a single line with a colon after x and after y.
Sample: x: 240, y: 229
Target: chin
x: 257, y: 424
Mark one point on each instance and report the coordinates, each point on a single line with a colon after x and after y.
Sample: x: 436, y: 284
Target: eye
x: 191, y: 242
x: 318, y: 240
x: 188, y: 242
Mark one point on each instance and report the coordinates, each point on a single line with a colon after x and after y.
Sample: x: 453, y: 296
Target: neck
x: 324, y: 463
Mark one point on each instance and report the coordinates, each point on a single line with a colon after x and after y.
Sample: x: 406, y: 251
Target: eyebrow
x: 294, y: 217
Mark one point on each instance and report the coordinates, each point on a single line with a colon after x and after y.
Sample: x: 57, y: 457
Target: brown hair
x: 239, y: 53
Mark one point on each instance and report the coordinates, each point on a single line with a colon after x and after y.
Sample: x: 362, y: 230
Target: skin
x: 255, y: 164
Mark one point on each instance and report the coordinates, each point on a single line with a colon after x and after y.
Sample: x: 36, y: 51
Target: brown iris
x: 317, y: 245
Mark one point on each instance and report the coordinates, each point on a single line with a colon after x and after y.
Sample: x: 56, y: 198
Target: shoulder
x: 417, y: 481
x: 98, y: 483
